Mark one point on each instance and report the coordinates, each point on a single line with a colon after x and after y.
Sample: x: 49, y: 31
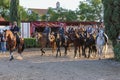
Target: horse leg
x: 90, y: 50
x: 100, y: 52
x: 11, y: 56
x: 57, y: 52
x: 42, y: 51
x: 75, y: 51
x: 84, y: 54
x: 65, y: 50
x: 105, y: 50
x: 79, y: 52
x: 69, y: 48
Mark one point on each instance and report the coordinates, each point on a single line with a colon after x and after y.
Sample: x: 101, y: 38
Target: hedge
x: 31, y: 43
x: 117, y: 52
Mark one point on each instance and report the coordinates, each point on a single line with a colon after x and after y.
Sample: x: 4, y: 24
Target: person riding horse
x: 61, y: 32
x: 15, y: 30
x: 47, y: 30
x: 104, y: 34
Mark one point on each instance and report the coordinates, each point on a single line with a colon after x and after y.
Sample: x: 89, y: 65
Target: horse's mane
x: 9, y: 34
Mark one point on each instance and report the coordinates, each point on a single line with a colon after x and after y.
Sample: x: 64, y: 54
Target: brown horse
x: 77, y: 39
x: 52, y: 41
x: 11, y: 43
x: 41, y: 38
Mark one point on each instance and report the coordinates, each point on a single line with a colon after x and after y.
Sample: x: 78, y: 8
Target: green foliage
x: 14, y: 11
x: 31, y: 43
x: 112, y: 23
x: 117, y: 51
x: 112, y: 18
x: 60, y: 15
x: 90, y: 10
x: 32, y: 17
x: 4, y: 9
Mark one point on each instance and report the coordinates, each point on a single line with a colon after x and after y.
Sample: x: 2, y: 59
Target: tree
x: 60, y: 15
x: 112, y: 23
x: 4, y: 8
x: 14, y: 11
x: 32, y: 17
x: 90, y: 10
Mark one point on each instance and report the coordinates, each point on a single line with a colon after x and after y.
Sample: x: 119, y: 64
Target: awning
x: 44, y: 24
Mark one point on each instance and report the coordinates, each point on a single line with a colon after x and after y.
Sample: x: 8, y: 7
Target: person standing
x: 3, y: 43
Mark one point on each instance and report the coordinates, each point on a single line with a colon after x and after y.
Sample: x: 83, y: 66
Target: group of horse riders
x: 80, y: 31
x: 90, y: 29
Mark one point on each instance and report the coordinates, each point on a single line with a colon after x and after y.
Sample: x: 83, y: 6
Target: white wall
x: 25, y: 30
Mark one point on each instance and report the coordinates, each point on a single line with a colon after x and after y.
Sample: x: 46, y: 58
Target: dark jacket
x: 16, y: 28
x: 47, y: 30
x: 2, y: 38
x: 61, y: 31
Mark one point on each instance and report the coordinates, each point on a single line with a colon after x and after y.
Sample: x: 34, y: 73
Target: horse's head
x: 58, y: 36
x: 38, y: 36
x: 8, y: 35
x: 101, y: 34
x: 51, y: 37
x: 100, y: 38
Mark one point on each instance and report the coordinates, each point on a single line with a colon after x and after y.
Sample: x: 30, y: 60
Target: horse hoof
x: 19, y: 58
x: 99, y: 58
x: 75, y: 57
x: 42, y: 54
x: 11, y: 59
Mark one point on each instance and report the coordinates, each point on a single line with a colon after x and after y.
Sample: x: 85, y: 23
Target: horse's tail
x: 105, y: 49
x: 21, y: 46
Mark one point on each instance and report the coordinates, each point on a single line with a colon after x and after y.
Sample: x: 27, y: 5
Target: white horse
x: 101, y: 43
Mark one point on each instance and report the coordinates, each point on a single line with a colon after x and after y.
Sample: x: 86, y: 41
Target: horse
x: 41, y: 38
x: 52, y: 41
x: 12, y: 42
x: 77, y: 41
x: 101, y: 43
x: 90, y: 44
x: 58, y: 44
x: 67, y: 41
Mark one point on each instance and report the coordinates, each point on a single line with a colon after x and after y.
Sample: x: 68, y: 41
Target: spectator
x: 3, y: 43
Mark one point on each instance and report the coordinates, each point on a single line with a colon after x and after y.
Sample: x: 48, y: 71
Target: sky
x: 44, y: 4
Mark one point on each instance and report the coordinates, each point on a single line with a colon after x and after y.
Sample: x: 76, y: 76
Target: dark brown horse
x: 77, y: 39
x: 11, y: 43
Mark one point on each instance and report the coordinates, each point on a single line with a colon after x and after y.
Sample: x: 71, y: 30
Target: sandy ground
x: 48, y: 67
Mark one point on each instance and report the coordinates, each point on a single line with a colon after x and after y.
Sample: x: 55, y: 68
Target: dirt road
x: 35, y: 67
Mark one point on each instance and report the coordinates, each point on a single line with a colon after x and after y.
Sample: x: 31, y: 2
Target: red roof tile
x: 2, y: 19
x: 40, y: 11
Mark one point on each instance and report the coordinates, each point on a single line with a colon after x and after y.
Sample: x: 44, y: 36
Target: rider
x: 47, y: 30
x: 61, y: 32
x: 15, y: 29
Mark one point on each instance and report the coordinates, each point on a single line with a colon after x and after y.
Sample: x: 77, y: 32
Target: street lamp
x: 47, y: 16
x: 29, y: 12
